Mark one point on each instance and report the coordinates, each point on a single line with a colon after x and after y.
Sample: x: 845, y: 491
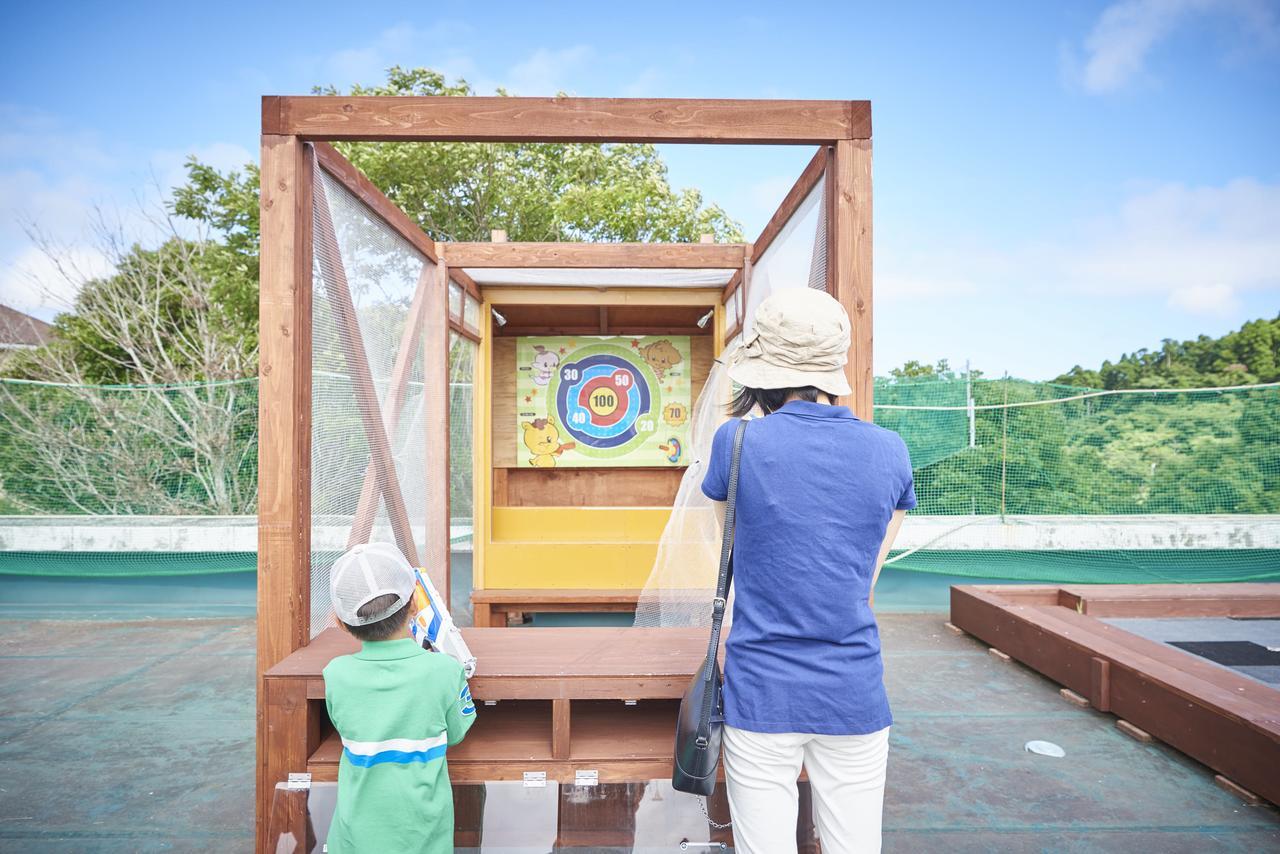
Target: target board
x: 602, y: 401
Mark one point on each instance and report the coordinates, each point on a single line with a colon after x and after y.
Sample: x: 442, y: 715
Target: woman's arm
x: 890, y: 534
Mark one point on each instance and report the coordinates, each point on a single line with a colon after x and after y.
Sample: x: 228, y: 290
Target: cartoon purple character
x: 545, y: 363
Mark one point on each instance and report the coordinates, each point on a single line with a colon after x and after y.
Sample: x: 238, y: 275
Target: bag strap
x: 726, y: 556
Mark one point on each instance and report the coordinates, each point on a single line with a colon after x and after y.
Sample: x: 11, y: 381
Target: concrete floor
x: 138, y: 736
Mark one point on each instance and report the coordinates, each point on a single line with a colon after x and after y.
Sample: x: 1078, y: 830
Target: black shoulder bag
x: 701, y: 714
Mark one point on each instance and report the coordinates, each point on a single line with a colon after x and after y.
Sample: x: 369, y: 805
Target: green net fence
x: 1015, y: 479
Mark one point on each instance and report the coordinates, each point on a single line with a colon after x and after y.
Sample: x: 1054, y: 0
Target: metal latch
x: 586, y: 778
x: 535, y: 779
x: 299, y: 781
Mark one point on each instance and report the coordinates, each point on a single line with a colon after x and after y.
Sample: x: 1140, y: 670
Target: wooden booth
x: 431, y: 394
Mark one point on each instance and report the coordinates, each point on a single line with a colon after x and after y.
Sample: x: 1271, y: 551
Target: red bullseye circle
x: 598, y: 384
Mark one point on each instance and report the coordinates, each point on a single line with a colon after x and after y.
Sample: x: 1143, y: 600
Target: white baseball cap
x: 363, y: 574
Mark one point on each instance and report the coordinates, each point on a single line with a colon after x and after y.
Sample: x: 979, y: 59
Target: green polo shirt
x: 397, y: 708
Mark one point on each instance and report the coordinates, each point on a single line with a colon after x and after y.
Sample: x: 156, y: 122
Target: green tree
x: 1246, y: 356
x: 533, y: 191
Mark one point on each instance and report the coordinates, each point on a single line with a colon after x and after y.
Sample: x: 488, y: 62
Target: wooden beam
x: 799, y: 191
x: 284, y: 423
x: 334, y: 275
x: 502, y: 119
x: 720, y: 256
x: 359, y: 185
x: 850, y: 251
x: 732, y: 285
x: 460, y: 276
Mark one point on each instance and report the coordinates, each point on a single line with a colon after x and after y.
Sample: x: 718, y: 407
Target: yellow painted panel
x: 601, y: 566
x: 559, y: 525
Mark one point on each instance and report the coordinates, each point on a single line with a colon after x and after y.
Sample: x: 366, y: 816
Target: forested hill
x: 1250, y: 354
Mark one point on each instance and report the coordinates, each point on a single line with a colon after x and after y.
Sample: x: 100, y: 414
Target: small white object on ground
x: 1045, y: 748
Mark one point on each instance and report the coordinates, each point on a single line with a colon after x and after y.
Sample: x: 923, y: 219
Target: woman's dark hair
x: 386, y: 628
x: 772, y: 399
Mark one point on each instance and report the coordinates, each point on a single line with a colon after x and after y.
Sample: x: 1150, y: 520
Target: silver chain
x: 702, y: 804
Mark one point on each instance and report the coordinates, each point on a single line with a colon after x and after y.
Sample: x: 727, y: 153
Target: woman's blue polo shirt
x: 816, y: 490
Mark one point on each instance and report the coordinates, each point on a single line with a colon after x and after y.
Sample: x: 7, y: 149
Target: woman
x: 821, y: 495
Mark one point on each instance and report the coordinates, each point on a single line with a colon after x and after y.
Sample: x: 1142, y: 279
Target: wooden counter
x: 563, y: 700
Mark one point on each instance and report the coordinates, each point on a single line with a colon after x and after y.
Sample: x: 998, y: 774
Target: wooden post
x: 707, y: 238
x: 498, y: 235
x: 436, y: 392
x: 850, y: 230
x: 284, y: 424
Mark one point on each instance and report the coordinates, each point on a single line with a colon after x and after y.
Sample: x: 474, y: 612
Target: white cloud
x: 1205, y: 299
x: 34, y: 138
x: 443, y: 47
x: 435, y: 47
x: 170, y: 166
x: 58, y: 181
x: 1199, y: 250
x: 646, y: 84
x: 1179, y: 239
x: 32, y: 282
x: 1116, y: 50
x: 546, y: 71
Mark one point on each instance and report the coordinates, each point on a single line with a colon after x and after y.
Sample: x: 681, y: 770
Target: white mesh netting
x: 367, y: 354
x: 683, y: 580
x: 796, y: 258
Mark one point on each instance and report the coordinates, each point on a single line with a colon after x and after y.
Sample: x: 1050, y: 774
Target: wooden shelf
x: 609, y: 731
x: 617, y: 741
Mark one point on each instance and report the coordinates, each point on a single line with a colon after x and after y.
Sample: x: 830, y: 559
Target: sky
x: 1054, y: 183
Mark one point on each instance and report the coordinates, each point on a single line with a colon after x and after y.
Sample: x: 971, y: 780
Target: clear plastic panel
x: 731, y: 310
x: 455, y: 300
x: 512, y: 816
x: 471, y: 313
x: 462, y: 462
x: 361, y: 262
x: 797, y: 257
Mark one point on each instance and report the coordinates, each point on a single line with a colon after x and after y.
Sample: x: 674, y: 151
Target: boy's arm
x: 461, y: 713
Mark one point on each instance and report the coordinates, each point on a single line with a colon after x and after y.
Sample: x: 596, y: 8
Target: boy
x: 397, y: 707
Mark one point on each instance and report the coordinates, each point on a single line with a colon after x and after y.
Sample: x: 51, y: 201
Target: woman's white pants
x: 846, y: 775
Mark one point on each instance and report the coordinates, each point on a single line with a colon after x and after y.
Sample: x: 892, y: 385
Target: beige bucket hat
x: 801, y: 338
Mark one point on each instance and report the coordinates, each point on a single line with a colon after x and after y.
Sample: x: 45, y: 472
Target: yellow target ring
x: 603, y: 401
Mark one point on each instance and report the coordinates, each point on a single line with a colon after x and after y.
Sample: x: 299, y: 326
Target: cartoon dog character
x: 545, y: 363
x: 661, y: 356
x: 542, y: 437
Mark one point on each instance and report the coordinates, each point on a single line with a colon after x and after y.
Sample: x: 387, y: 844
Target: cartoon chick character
x: 544, y: 365
x: 542, y: 437
x: 661, y: 356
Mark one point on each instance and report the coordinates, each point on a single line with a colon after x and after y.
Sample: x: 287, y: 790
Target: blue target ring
x: 625, y: 394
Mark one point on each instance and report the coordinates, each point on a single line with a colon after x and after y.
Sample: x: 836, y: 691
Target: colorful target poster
x: 602, y: 401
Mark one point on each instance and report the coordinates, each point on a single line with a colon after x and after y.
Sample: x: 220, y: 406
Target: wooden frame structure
x: 1214, y: 715
x: 295, y: 136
